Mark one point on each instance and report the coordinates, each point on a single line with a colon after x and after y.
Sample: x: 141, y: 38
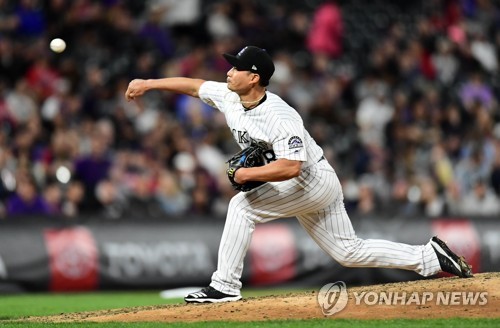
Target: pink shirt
x: 325, y: 35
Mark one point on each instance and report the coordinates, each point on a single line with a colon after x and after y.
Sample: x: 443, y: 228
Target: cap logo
x: 254, y: 68
x: 241, y: 51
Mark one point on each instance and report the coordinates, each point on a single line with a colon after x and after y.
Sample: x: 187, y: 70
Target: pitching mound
x: 437, y: 298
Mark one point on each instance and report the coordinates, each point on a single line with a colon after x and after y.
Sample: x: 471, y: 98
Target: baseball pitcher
x: 281, y: 172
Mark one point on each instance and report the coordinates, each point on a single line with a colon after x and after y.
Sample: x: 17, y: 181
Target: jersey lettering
x: 241, y: 136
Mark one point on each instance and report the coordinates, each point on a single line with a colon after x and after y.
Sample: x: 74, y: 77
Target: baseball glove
x: 252, y: 156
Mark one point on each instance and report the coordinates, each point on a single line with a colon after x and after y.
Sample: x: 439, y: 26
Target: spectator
x: 432, y: 203
x: 484, y: 52
x: 26, y: 201
x: 71, y: 205
x: 219, y: 22
x: 168, y: 193
x: 21, y: 102
x: 442, y: 166
x: 155, y: 36
x: 480, y: 201
x: 54, y: 104
x: 445, y: 62
x: 181, y: 17
x: 326, y: 33
x: 112, y: 202
x: 437, y: 74
x: 367, y: 202
x: 93, y: 167
x: 470, y: 170
x: 140, y: 200
x: 8, y: 20
x: 30, y: 19
x: 476, y: 91
x: 42, y: 78
x: 372, y: 116
x: 11, y: 65
x: 52, y: 196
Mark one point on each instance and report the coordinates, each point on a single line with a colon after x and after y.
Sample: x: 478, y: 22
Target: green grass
x: 18, y: 306
x: 42, y: 304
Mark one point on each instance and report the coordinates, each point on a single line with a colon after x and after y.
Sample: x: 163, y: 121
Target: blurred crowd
x: 403, y: 98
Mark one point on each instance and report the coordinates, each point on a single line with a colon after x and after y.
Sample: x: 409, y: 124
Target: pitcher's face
x: 241, y: 81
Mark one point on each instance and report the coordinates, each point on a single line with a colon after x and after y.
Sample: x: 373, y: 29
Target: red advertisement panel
x: 272, y: 254
x: 462, y: 238
x: 73, y: 259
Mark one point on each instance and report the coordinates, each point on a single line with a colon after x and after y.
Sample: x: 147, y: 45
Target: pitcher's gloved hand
x: 252, y: 156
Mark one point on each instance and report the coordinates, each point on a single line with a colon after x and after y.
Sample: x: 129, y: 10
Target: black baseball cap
x: 253, y: 59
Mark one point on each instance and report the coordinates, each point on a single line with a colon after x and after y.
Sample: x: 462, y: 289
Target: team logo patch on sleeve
x: 295, y: 142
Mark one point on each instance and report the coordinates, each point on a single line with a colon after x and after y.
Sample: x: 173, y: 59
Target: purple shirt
x: 92, y: 170
x: 17, y: 206
x: 482, y: 93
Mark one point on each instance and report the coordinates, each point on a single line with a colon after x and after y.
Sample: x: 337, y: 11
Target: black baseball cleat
x: 449, y: 261
x: 210, y: 295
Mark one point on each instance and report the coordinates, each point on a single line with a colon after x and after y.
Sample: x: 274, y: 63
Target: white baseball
x: 57, y: 45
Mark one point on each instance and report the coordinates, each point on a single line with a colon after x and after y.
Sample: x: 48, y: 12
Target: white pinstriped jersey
x: 314, y: 197
x: 273, y: 121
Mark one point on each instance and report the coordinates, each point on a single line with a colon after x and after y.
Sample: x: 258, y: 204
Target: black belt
x: 322, y: 158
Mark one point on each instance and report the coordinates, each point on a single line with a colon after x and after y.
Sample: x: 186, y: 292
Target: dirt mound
x: 436, y: 298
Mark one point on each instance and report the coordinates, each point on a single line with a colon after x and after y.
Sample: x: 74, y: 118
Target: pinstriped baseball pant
x: 315, y: 198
